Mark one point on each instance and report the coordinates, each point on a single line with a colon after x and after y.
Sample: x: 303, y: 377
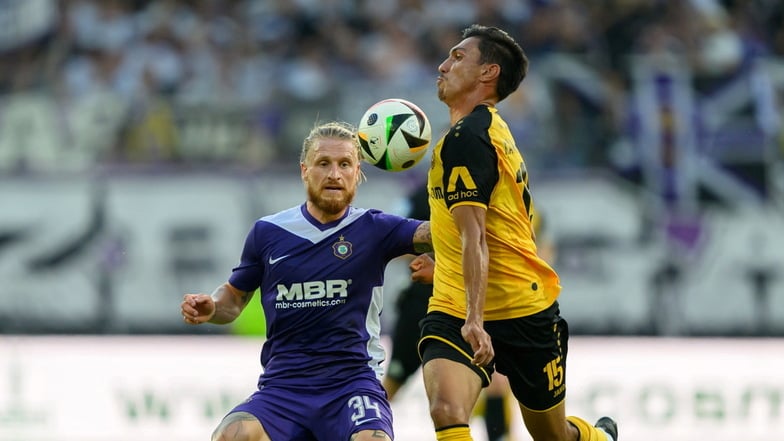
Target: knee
x: 445, y: 413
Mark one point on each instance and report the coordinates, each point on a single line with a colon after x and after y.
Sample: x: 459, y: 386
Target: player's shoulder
x: 293, y: 214
x: 475, y: 123
x: 373, y: 213
x: 383, y: 220
x: 359, y: 211
x: 480, y: 117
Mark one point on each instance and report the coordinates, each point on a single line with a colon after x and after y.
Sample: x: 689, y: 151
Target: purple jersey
x: 321, y: 290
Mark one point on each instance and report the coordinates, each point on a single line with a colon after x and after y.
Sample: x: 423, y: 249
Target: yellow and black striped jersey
x: 477, y: 163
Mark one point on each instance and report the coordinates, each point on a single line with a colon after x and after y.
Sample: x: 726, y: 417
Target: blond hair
x: 331, y: 130
x: 339, y: 130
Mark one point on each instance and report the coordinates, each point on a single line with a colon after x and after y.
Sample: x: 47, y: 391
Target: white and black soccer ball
x: 394, y: 134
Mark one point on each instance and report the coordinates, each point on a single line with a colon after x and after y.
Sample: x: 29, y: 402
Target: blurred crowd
x: 89, y: 82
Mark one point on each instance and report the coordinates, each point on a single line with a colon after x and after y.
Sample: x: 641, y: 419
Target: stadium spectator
x: 227, y: 70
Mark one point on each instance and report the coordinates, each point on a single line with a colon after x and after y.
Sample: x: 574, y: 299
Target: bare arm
x: 229, y: 303
x: 223, y: 306
x: 423, y: 241
x: 470, y: 222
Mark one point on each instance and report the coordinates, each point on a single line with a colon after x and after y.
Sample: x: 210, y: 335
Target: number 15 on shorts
x: 555, y: 372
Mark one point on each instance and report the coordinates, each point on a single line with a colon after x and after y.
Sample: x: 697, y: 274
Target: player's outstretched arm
x: 423, y: 241
x: 223, y: 306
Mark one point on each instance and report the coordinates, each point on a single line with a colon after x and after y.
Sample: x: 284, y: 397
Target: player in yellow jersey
x: 403, y: 361
x: 494, y: 303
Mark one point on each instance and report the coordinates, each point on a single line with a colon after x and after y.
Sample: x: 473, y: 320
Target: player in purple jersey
x: 320, y: 268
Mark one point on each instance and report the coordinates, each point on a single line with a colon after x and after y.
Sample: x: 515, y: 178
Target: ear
x: 303, y: 170
x: 490, y: 72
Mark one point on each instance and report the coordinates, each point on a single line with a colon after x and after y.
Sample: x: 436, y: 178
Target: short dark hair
x: 498, y: 47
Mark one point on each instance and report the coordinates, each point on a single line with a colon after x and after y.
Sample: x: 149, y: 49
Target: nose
x: 444, y: 66
x: 334, y: 171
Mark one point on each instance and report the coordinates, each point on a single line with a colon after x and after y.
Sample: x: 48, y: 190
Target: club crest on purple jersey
x: 342, y: 248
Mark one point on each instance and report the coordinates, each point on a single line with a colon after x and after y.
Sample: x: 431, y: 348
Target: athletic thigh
x: 240, y: 426
x: 452, y: 382
x: 531, y: 351
x: 371, y: 435
x: 452, y: 390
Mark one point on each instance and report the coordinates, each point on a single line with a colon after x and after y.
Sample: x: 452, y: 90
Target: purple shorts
x: 320, y: 413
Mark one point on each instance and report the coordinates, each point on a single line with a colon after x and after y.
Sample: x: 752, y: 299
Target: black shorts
x: 530, y: 351
x: 411, y: 308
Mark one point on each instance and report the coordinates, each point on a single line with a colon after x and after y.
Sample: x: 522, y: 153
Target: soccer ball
x: 394, y: 134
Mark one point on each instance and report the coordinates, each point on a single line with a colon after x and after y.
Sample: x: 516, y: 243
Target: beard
x: 440, y: 92
x: 332, y: 205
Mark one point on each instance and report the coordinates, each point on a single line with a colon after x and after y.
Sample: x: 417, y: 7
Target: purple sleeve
x: 247, y: 275
x: 399, y: 240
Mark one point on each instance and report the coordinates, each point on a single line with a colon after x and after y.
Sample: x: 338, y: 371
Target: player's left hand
x: 422, y: 267
x: 480, y: 342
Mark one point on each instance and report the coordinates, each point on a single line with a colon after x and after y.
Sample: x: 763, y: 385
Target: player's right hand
x: 197, y: 308
x: 422, y: 267
x: 480, y: 342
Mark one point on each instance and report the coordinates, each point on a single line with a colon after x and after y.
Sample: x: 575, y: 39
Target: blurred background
x: 139, y: 140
